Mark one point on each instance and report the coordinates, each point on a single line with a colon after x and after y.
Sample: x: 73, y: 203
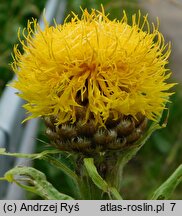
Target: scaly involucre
x: 107, y: 66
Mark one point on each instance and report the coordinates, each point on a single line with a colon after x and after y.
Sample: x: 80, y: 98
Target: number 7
x: 173, y: 204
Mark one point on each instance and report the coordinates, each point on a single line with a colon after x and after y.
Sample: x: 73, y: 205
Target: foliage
x: 40, y: 186
x: 13, y: 15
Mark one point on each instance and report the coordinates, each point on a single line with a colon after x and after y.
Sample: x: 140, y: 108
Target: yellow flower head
x: 107, y: 66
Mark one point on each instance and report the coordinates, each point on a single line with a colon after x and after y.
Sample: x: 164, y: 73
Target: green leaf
x: 71, y: 174
x: 37, y: 181
x: 98, y: 180
x: 166, y: 189
x: 46, y: 156
x: 40, y: 155
x: 58, y: 164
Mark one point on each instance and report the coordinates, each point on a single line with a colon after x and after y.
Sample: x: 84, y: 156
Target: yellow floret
x: 108, y: 66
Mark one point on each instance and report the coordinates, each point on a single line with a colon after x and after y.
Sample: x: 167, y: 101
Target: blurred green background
x: 161, y: 154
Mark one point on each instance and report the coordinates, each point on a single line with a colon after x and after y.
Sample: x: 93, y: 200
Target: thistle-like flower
x: 95, y: 81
